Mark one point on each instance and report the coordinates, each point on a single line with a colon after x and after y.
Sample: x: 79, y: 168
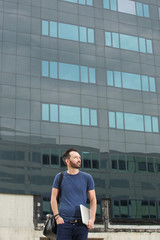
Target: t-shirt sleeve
x: 56, y: 181
x: 90, y: 184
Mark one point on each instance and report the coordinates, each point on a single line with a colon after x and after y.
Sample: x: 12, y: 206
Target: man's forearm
x: 93, y: 208
x: 54, y: 206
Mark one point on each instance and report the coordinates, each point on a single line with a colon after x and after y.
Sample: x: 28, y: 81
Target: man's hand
x: 59, y: 220
x: 90, y: 224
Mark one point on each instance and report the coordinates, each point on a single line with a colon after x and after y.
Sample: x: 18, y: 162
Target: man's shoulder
x: 85, y: 174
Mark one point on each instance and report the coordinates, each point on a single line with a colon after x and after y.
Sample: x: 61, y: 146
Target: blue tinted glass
x: 131, y: 81
x: 159, y: 12
x: 112, y: 120
x: 53, y: 113
x: 53, y: 29
x: 155, y: 124
x: 108, y: 38
x: 129, y: 42
x: 45, y: 71
x: 113, y: 5
x: 117, y: 79
x: 92, y: 75
x: 45, y: 112
x: 53, y: 69
x: 145, y: 86
x: 139, y: 9
x: 110, y: 78
x: 81, y: 1
x: 115, y: 40
x: 83, y: 34
x: 68, y: 31
x: 149, y: 46
x: 142, y: 45
x: 84, y: 74
x: 93, y: 117
x: 119, y: 120
x: 133, y: 122
x: 69, y: 72
x: 146, y: 10
x: 85, y: 116
x: 147, y: 123
x: 90, y: 35
x: 45, y: 28
x: 73, y: 1
x: 69, y: 114
x: 106, y: 4
x: 152, y: 84
x: 89, y: 2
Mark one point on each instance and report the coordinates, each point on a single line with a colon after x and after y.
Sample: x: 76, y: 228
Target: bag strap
x: 59, y: 185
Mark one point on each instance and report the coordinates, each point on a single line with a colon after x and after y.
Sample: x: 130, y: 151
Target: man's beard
x: 75, y: 165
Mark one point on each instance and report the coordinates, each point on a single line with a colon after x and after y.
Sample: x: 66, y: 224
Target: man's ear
x: 67, y: 161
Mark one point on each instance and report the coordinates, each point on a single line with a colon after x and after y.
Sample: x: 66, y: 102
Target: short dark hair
x: 66, y: 154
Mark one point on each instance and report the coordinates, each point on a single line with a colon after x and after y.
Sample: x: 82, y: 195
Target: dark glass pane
x: 45, y: 159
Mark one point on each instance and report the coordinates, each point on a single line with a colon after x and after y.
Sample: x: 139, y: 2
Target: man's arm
x: 54, y: 205
x: 93, y: 207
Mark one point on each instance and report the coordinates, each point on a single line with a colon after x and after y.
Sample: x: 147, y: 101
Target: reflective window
x: 159, y: 12
x: 142, y: 10
x: 135, y: 209
x: 112, y: 123
x: 53, y: 70
x: 69, y: 114
x: 86, y: 160
x: 92, y: 75
x: 155, y: 124
x: 90, y: 35
x: 45, y: 28
x: 45, y: 69
x: 127, y: 42
x: 93, y: 117
x: 84, y: 2
x: 119, y: 120
x: 67, y: 71
x: 127, y: 6
x: 131, y: 81
x: 53, y: 113
x: 68, y: 31
x: 85, y: 116
x: 53, y: 29
x: 115, y: 40
x: 45, y: 112
x: 132, y: 121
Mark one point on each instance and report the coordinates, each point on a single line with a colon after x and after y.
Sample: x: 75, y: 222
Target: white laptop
x: 85, y: 214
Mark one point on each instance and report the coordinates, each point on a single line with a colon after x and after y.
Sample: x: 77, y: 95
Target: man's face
x: 75, y: 160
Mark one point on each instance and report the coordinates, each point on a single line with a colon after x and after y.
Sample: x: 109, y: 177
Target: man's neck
x: 73, y: 171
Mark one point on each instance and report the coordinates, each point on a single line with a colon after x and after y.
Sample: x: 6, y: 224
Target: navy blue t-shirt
x: 74, y: 190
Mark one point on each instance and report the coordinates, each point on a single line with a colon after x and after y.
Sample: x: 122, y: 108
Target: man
x: 74, y: 188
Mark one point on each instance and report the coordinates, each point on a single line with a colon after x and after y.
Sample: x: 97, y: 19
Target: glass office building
x: 82, y: 74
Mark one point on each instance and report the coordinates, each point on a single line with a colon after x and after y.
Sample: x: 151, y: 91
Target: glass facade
x: 83, y: 74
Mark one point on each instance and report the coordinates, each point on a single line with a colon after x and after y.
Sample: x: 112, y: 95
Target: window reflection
x: 135, y: 209
x: 68, y: 31
x: 127, y: 6
x: 70, y: 72
x: 128, y: 42
x: 131, y: 81
x: 134, y: 122
x: 69, y: 114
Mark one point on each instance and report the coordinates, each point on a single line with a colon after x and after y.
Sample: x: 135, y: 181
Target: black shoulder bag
x: 50, y: 227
